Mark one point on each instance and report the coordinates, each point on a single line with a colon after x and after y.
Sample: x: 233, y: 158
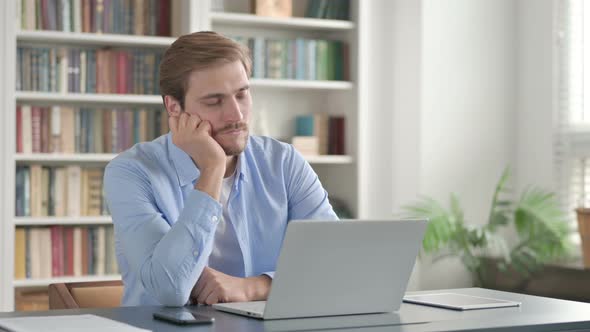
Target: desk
x: 535, y: 314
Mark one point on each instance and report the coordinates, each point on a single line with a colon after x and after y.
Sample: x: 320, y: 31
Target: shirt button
x: 196, y: 253
x: 214, y: 218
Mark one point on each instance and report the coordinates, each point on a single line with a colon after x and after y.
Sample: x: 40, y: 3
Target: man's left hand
x: 217, y: 287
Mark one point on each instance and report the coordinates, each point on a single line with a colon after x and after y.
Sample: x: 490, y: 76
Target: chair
x: 76, y: 295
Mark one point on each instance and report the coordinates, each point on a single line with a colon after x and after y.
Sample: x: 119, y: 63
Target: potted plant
x: 540, y: 225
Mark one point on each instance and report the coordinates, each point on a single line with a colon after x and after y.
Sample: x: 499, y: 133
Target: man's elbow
x: 172, y: 299
x: 164, y: 290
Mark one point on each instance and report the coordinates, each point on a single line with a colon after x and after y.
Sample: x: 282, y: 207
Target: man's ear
x: 172, y: 106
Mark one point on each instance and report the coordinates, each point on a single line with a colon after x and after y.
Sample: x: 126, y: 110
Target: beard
x: 233, y: 146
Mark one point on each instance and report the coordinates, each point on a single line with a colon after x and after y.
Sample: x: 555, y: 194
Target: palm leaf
x: 537, y: 217
x: 541, y: 222
x: 501, y: 208
x: 440, y: 225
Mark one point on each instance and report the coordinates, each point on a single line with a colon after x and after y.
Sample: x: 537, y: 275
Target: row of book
x: 319, y: 134
x: 300, y: 58
x: 330, y: 9
x: 87, y: 70
x: 59, y: 191
x: 55, y: 251
x: 64, y: 129
x: 138, y: 17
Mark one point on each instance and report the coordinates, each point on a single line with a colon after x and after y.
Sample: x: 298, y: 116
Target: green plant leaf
x: 536, y: 216
x: 456, y: 210
x: 440, y: 224
x: 542, y: 226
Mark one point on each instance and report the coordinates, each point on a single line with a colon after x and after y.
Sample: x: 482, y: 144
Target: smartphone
x: 182, y: 317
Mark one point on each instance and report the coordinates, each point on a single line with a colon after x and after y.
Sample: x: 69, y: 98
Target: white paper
x: 87, y: 323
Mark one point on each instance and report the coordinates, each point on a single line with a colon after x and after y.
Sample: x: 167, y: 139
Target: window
x: 572, y: 139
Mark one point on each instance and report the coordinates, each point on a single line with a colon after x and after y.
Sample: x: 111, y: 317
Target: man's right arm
x: 168, y: 259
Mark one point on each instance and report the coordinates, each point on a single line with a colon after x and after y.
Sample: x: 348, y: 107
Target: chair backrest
x: 96, y: 294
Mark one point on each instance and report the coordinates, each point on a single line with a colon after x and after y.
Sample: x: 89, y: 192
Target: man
x: 200, y: 213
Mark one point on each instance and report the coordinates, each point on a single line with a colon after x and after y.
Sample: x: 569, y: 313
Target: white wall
x: 442, y: 94
x: 392, y: 96
x: 468, y: 110
x: 534, y: 149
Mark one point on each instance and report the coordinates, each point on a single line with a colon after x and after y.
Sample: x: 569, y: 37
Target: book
x: 20, y: 252
x: 45, y: 252
x: 274, y: 8
x: 306, y: 145
x: 77, y: 251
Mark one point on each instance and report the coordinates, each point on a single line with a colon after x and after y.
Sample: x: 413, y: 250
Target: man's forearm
x: 210, y: 182
x: 259, y: 287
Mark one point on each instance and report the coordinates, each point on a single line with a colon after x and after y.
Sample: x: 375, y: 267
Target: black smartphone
x: 182, y: 317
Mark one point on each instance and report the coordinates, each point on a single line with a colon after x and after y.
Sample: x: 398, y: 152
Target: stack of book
x: 129, y: 17
x: 46, y: 252
x: 64, y: 129
x: 87, y: 70
x: 319, y: 134
x: 59, y: 191
x: 299, y: 59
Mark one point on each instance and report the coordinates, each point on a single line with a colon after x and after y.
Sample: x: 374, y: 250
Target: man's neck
x: 230, y: 165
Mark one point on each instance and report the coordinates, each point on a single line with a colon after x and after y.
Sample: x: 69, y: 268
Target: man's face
x: 221, y: 96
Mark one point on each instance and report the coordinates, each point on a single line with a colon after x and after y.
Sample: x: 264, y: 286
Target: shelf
x: 93, y: 39
x: 47, y: 221
x: 46, y: 282
x: 88, y: 98
x: 333, y: 159
x: 60, y: 158
x: 300, y: 23
x: 300, y: 84
x: 56, y: 158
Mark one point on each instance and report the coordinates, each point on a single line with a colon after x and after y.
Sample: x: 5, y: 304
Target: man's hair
x: 197, y: 51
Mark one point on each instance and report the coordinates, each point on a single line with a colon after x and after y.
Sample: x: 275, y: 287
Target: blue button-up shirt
x: 164, y: 228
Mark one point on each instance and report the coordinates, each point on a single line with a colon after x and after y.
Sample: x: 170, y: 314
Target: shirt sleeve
x: 168, y: 259
x: 307, y: 197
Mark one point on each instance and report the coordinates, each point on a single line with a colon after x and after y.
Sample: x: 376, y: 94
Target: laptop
x: 329, y: 268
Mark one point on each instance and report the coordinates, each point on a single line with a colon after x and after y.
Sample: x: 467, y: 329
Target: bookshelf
x: 92, y: 39
x: 250, y: 20
x: 60, y: 159
x: 71, y: 221
x: 277, y: 102
x: 86, y: 99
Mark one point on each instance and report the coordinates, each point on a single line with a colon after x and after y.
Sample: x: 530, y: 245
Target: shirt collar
x: 186, y: 170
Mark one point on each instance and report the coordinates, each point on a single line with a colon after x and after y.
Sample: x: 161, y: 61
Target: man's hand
x: 216, y: 287
x: 193, y: 136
